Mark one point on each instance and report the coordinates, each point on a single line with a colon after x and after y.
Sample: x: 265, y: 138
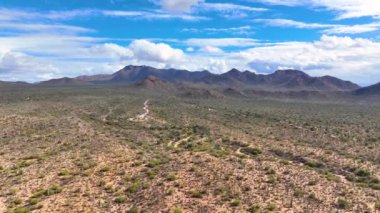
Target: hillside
x: 369, y: 91
x: 65, y: 82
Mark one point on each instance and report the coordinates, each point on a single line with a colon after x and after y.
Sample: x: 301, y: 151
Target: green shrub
x: 55, y: 189
x: 298, y: 193
x: 377, y: 205
x: 362, y: 173
x: 153, y: 163
x: 104, y: 169
x: 271, y: 207
x: 134, y: 210
x: 134, y: 187
x: 120, y: 199
x: 255, y: 208
x: 251, y: 151
x: 33, y: 201
x: 314, y: 164
x: 177, y: 210
x: 343, y: 203
x: 196, y: 193
x: 19, y: 210
x: 64, y: 172
x: 17, y: 201
x: 235, y: 203
x: 171, y: 177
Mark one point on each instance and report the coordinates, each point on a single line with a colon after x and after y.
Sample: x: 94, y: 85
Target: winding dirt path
x: 146, y: 113
x: 110, y: 111
x: 144, y: 116
x: 177, y: 143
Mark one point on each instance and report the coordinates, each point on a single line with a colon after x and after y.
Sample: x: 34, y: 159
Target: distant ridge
x: 282, y: 79
x: 293, y: 80
x: 369, y: 91
x: 65, y: 81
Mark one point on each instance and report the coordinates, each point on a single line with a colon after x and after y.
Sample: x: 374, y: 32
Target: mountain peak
x: 234, y: 70
x: 290, y: 72
x: 373, y: 90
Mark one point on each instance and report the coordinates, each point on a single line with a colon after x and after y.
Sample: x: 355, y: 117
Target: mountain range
x: 233, y: 81
x: 279, y: 80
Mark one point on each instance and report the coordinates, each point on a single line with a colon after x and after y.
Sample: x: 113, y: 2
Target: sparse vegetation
x: 235, y: 203
x: 63, y: 152
x: 343, y: 203
x: 377, y: 205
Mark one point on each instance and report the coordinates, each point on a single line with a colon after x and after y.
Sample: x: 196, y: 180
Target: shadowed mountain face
x: 280, y: 80
x: 138, y: 73
x: 369, y: 91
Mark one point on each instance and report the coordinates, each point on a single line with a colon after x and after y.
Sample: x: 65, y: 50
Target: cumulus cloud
x: 345, y: 57
x: 21, y: 67
x: 112, y: 50
x: 160, y: 52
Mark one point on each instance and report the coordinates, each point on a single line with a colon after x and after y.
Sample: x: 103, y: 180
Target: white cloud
x: 292, y: 23
x: 229, y: 7
x: 160, y: 52
x: 211, y: 50
x: 242, y: 30
x: 16, y: 14
x: 151, y: 15
x: 22, y: 15
x: 178, y: 5
x: 327, y: 28
x: 345, y: 8
x: 222, y: 42
x: 51, y: 28
x: 353, y: 29
x: 15, y: 66
x: 352, y: 59
x: 112, y: 50
x: 229, y: 10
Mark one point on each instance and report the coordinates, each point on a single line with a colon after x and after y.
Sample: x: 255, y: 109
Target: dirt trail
x: 176, y: 144
x: 110, y: 111
x: 144, y: 116
x: 146, y: 109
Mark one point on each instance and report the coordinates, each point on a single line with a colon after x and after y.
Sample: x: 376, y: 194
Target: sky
x: 44, y: 39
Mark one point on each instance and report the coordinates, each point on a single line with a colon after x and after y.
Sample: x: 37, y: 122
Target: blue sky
x: 43, y: 39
